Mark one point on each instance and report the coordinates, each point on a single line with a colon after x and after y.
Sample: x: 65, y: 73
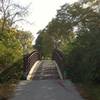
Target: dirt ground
x: 6, y: 91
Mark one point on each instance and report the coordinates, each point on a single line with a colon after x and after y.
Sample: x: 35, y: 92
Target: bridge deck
x: 47, y: 70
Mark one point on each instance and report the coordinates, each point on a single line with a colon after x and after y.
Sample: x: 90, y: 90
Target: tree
x: 44, y: 44
x: 84, y: 56
x: 81, y: 45
x: 11, y: 13
x: 58, y: 31
x: 13, y: 42
x: 25, y: 38
x: 11, y: 50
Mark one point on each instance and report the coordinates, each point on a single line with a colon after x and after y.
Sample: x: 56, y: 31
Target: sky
x: 40, y: 13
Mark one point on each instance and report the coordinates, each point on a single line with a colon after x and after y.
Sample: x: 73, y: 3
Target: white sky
x: 41, y: 12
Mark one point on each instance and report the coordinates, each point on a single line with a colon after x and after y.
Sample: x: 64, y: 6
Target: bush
x: 13, y: 73
x: 84, y: 58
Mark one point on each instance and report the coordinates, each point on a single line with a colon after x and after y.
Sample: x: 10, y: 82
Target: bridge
x: 45, y: 79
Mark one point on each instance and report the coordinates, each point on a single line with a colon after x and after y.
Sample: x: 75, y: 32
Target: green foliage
x: 25, y: 38
x: 11, y: 53
x: 44, y: 44
x: 77, y: 26
x: 58, y: 31
x: 10, y: 50
x: 14, y: 43
x: 13, y: 73
x: 84, y: 56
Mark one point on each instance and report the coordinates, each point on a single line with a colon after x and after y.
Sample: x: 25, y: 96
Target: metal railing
x: 29, y: 61
x: 58, y: 56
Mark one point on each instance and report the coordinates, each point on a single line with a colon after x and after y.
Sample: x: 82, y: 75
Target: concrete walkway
x: 46, y: 85
x: 46, y: 90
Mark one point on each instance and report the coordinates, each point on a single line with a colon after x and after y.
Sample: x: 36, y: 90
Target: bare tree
x: 10, y: 13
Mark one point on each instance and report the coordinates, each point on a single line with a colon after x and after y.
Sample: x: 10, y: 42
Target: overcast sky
x: 41, y: 12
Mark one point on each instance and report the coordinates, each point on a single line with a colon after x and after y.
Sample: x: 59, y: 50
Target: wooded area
x: 14, y: 43
x: 75, y: 31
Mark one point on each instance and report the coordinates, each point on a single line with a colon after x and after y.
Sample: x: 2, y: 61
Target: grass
x: 89, y: 91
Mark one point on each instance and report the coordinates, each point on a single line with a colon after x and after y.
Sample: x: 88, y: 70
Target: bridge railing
x: 58, y: 56
x: 29, y: 61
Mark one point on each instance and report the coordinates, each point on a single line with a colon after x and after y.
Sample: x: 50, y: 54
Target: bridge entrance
x: 44, y: 80
x: 36, y: 68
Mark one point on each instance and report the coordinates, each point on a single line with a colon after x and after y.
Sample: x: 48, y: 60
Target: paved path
x: 46, y: 85
x: 46, y: 90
